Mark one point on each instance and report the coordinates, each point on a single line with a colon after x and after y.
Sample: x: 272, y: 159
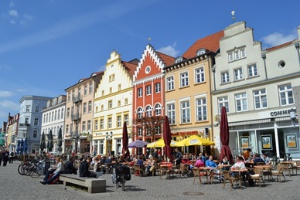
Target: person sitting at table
x: 266, y: 158
x: 151, y: 165
x: 257, y: 158
x: 225, y: 161
x: 199, y: 163
x: 238, y: 165
x: 210, y: 163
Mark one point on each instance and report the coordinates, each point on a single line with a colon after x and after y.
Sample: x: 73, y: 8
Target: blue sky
x: 48, y: 45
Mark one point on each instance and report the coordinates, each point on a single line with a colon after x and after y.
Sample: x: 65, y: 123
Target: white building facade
x: 256, y: 87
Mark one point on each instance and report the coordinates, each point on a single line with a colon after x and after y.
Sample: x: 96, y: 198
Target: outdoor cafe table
x: 239, y: 171
x: 165, y: 167
x: 288, y: 165
x: 207, y: 170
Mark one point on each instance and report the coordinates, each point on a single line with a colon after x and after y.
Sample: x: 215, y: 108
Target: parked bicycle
x: 121, y: 174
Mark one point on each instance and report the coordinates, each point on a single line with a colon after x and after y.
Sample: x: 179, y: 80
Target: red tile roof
x: 130, y: 66
x: 211, y: 43
x: 168, y: 60
x: 279, y: 46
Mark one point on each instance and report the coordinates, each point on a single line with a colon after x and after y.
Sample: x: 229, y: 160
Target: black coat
x: 84, y: 169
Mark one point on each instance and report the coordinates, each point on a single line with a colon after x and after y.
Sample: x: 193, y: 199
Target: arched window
x: 157, y: 109
x: 139, y: 113
x: 148, y: 111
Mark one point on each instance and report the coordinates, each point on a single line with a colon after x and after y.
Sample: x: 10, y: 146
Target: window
x: 185, y: 112
x: 102, y: 107
x: 148, y: 111
x: 58, y: 115
x: 119, y: 103
x: 52, y: 116
x: 140, y: 131
x: 148, y: 131
x: 236, y: 54
x: 36, y: 121
x: 85, y: 90
x: 83, y: 125
x: 139, y: 113
x: 69, y: 96
x: 62, y: 114
x: 184, y: 79
x: 171, y: 113
x: 286, y: 94
x: 260, y: 99
x: 101, y: 124
x: 67, y: 128
x: 37, y: 109
x: 102, y: 92
x: 157, y: 109
x: 109, y: 122
x: 84, y: 107
x: 241, y: 102
x: 201, y: 109
x: 96, y: 125
x: 199, y: 73
x: 157, y: 87
x: 68, y: 112
x: 140, y: 92
x: 157, y: 130
x: 91, y: 88
x: 126, y: 118
x: 170, y: 83
x: 119, y: 146
x: 90, y: 106
x: 238, y: 74
x: 27, y: 108
x: 55, y: 115
x: 126, y: 101
x: 225, y: 77
x: 119, y: 122
x: 35, y: 133
x: 119, y: 87
x: 89, y: 125
x: 223, y: 101
x: 49, y: 117
x: 110, y: 90
x: 252, y: 70
x: 148, y: 90
x: 110, y: 104
x: 179, y: 59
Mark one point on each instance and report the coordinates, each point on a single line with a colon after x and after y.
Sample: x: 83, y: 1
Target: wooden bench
x: 93, y: 185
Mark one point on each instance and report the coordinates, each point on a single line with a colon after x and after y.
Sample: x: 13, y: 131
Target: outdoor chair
x: 184, y: 169
x: 297, y: 166
x: 260, y: 163
x: 258, y: 176
x: 139, y: 171
x: 278, y: 172
x: 226, y: 176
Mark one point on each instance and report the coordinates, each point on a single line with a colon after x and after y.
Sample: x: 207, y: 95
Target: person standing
x: 178, y: 157
x: 5, y: 157
x: 1, y: 157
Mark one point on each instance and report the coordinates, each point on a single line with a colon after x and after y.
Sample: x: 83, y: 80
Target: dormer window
x: 201, y: 52
x: 179, y: 59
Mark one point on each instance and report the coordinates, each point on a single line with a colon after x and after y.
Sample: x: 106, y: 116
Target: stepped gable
x: 158, y: 58
x: 280, y: 46
x: 210, y: 43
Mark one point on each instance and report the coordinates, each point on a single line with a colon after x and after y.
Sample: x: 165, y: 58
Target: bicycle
x: 36, y: 169
x: 23, y: 168
x: 121, y: 173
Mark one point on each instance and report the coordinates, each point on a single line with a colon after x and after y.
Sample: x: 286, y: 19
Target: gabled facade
x: 257, y: 88
x: 188, y: 90
x: 113, y: 105
x: 79, y: 114
x: 12, y: 132
x: 54, y: 119
x: 149, y: 92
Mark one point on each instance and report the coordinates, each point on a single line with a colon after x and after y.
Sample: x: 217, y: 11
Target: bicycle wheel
x: 20, y: 169
x: 37, y: 172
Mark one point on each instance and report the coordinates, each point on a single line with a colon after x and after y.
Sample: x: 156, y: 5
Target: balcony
x: 77, y: 98
x: 24, y: 124
x: 76, y: 116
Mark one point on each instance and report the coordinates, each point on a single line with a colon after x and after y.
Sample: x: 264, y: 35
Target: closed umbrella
x: 224, y: 136
x: 43, y: 142
x: 25, y: 145
x: 167, y: 138
x: 50, y: 141
x: 59, y: 139
x: 125, y: 151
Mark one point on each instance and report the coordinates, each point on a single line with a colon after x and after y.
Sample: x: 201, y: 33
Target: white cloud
x: 275, y: 39
x: 103, y: 14
x: 13, y: 13
x: 11, y: 4
x: 5, y: 94
x: 25, y: 19
x: 9, y: 105
x: 169, y: 50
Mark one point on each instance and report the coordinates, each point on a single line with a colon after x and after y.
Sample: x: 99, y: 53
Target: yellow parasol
x: 194, y: 140
x: 160, y: 143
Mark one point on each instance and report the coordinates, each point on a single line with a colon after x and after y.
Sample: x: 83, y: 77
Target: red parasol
x: 167, y: 137
x: 224, y: 136
x: 125, y: 151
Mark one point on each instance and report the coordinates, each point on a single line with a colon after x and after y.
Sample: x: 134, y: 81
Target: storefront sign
x: 280, y: 113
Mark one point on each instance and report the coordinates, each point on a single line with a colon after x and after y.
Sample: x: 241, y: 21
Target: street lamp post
x: 109, y: 138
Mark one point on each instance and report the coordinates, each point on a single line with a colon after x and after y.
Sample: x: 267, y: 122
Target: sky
x: 48, y: 45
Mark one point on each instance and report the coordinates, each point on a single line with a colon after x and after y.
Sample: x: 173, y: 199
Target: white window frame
x: 101, y: 124
x: 148, y: 90
x: 119, y: 120
x: 184, y: 79
x: 241, y: 102
x: 148, y: 111
x: 157, y: 87
x: 170, y: 83
x: 157, y: 110
x: 285, y: 93
x: 185, y: 111
x: 199, y: 75
x: 223, y: 101
x: 139, y: 113
x: 260, y: 98
x: 140, y: 92
x: 238, y: 74
x: 171, y: 112
x: 225, y: 78
x: 252, y: 70
x: 201, y: 107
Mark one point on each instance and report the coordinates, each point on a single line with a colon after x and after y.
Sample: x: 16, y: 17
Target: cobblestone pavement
x: 14, y: 186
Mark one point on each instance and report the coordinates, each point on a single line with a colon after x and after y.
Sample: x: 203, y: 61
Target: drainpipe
x: 263, y: 55
x: 297, y: 48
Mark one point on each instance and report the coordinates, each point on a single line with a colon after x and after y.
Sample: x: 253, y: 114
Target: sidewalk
x: 14, y: 186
